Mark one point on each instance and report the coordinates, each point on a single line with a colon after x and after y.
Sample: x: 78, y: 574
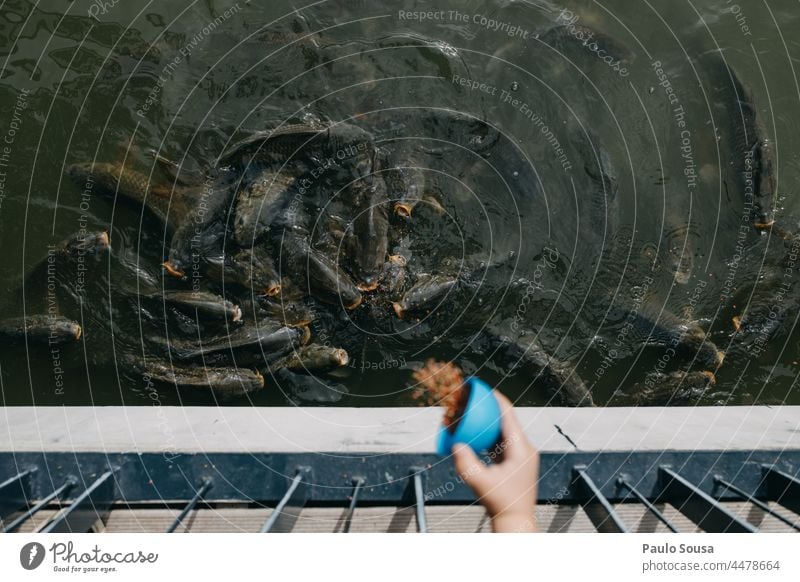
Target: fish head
x: 764, y: 219
x: 64, y: 329
x: 254, y: 268
x: 350, y: 295
x: 93, y: 244
x: 424, y: 296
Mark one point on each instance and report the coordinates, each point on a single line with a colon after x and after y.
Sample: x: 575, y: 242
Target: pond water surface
x: 581, y: 164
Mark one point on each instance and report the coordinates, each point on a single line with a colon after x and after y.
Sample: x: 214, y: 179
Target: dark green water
x: 106, y: 82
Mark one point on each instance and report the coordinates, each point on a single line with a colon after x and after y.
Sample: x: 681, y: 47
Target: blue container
x: 480, y: 426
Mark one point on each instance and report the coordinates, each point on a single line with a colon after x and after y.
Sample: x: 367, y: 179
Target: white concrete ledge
x: 384, y: 430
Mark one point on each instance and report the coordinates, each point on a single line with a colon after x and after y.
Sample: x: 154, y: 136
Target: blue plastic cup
x: 480, y: 426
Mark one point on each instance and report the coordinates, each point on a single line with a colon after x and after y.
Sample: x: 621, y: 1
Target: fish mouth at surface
x: 403, y: 210
x: 173, y: 271
x: 341, y: 358
x: 354, y: 304
x: 273, y: 290
x: 368, y: 286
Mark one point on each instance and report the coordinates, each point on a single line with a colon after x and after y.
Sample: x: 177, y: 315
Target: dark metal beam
x: 69, y: 484
x: 283, y: 518
x: 419, y: 499
x: 595, y: 504
x: 622, y: 482
x: 782, y: 487
x: 358, y: 483
x: 204, y: 487
x: 698, y: 506
x: 15, y: 493
x: 153, y: 476
x: 87, y: 508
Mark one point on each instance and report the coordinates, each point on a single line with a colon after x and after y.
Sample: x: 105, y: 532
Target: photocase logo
x: 31, y: 555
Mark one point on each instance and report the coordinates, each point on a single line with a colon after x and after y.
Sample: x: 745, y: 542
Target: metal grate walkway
x: 613, y: 492
x: 196, y: 469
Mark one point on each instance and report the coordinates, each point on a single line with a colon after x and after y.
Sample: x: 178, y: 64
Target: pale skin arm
x: 506, y: 488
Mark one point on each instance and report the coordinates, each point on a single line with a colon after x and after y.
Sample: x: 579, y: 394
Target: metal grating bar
x: 419, y: 499
x: 282, y: 520
x: 783, y: 488
x: 622, y: 482
x: 757, y: 502
x: 701, y: 508
x: 595, y: 504
x: 358, y: 483
x: 15, y: 493
x: 204, y: 487
x: 87, y: 508
x: 57, y: 493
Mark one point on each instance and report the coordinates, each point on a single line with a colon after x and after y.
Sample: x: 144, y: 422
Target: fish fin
x: 175, y: 171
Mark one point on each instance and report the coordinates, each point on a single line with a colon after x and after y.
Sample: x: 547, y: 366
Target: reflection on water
x: 590, y: 183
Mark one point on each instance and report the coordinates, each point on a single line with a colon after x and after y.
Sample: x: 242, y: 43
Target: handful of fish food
x: 442, y: 384
x: 471, y: 412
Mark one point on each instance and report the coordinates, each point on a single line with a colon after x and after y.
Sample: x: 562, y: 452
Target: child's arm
x: 506, y: 488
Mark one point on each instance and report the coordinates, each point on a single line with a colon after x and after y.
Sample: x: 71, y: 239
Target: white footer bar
x: 390, y: 557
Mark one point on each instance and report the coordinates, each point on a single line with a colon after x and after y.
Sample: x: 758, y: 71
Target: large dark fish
x: 203, y: 303
x: 287, y: 307
x: 258, y: 204
x: 405, y: 182
x: 70, y: 265
x: 425, y: 295
x: 270, y: 341
x: 751, y: 156
x: 253, y: 269
x: 313, y: 358
x: 40, y: 330
x: 224, y: 382
x: 81, y: 245
x: 395, y: 275
x: 202, y: 230
x: 528, y: 357
x: 287, y: 141
x: 194, y: 214
x: 113, y: 179
x: 654, y: 327
x: 368, y: 239
x: 323, y: 277
x: 411, y: 196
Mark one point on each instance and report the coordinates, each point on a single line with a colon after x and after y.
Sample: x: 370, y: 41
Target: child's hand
x: 506, y: 488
